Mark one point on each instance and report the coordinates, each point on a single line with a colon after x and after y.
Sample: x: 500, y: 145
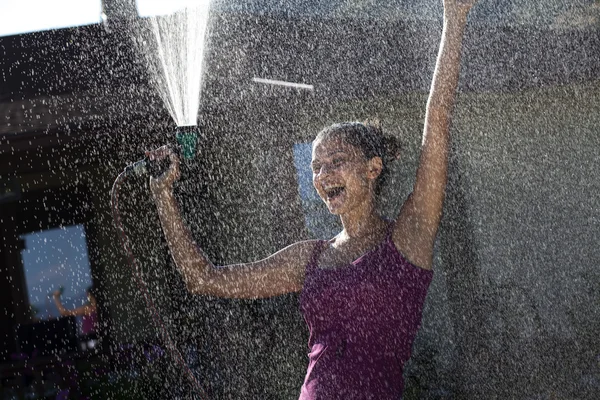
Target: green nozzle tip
x: 187, y: 137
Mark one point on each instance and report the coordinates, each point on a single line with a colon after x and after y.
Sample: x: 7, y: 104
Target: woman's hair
x: 368, y: 136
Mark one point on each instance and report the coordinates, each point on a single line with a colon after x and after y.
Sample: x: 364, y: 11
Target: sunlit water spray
x: 174, y: 46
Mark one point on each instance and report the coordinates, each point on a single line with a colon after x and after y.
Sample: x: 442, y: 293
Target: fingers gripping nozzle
x: 146, y: 166
x: 186, y: 137
x: 138, y: 167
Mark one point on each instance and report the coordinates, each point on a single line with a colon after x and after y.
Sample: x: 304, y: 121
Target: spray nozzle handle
x: 186, y: 138
x: 153, y: 167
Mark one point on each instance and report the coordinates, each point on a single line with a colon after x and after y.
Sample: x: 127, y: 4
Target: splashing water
x: 174, y: 46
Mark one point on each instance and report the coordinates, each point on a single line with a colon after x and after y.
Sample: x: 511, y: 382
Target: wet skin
x: 345, y: 180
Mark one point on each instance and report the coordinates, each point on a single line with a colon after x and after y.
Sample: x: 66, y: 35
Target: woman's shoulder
x: 302, y: 250
x: 308, y: 244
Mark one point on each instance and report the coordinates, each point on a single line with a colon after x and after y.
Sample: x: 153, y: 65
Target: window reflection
x: 56, y: 259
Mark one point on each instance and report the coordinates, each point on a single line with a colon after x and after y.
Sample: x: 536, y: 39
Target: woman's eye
x: 337, y: 162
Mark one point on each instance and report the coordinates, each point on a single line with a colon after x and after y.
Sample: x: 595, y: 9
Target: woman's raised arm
x: 420, y: 216
x: 77, y: 312
x: 283, y: 272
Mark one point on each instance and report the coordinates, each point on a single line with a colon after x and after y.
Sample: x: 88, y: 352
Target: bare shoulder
x: 295, y: 255
x: 413, y: 237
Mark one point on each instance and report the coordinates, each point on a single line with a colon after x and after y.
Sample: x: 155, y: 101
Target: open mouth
x: 334, y: 192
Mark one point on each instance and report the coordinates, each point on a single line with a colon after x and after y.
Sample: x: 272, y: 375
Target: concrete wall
x: 528, y: 163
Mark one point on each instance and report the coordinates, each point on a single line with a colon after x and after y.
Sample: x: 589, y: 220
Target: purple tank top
x: 362, y: 319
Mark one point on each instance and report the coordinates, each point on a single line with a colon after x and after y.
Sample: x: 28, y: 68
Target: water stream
x: 173, y: 46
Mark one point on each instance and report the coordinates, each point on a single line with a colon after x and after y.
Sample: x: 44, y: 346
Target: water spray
x: 173, y: 47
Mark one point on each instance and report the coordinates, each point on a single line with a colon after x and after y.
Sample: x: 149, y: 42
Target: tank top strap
x: 314, y: 258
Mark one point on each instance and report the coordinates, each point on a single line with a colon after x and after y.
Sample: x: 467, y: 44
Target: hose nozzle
x: 187, y: 137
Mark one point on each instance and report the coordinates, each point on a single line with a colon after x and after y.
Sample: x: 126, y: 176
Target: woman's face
x: 342, y: 176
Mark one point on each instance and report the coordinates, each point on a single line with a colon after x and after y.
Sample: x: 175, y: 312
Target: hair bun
x: 393, y: 148
x: 391, y: 145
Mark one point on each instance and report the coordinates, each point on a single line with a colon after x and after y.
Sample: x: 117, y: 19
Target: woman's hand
x: 56, y: 294
x: 172, y: 174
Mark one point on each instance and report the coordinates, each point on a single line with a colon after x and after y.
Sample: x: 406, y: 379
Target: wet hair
x: 368, y: 136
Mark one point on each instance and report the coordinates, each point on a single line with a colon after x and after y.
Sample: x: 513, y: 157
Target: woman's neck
x: 361, y: 224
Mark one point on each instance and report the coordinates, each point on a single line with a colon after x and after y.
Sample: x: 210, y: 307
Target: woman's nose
x: 324, y: 170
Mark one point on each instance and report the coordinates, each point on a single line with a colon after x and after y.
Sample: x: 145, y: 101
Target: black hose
x: 141, y: 284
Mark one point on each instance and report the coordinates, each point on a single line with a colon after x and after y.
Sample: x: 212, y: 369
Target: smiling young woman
x: 363, y: 290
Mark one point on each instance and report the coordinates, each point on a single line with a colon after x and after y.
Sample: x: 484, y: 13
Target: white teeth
x: 333, y: 191
x: 331, y: 187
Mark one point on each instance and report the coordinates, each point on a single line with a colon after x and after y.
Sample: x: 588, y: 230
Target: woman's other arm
x: 420, y: 216
x: 79, y: 311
